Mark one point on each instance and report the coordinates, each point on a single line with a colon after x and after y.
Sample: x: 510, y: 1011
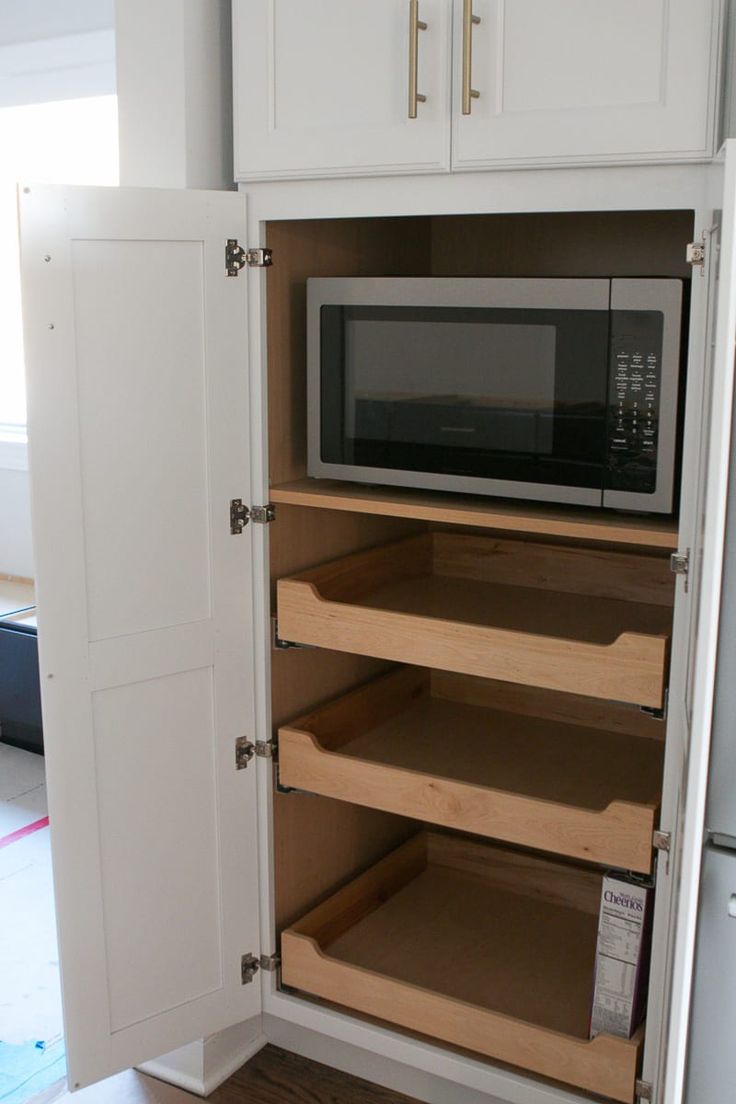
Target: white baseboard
x: 202, y: 1066
x: 227, y: 1051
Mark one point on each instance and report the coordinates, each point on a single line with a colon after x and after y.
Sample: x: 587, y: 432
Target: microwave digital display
x: 527, y: 388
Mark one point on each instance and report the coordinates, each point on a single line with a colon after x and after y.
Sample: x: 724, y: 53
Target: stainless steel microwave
x: 559, y: 390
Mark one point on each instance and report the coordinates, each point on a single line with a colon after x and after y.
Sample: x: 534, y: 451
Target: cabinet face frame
x: 655, y: 188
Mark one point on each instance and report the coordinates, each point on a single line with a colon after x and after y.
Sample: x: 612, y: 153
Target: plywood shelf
x: 483, y: 949
x: 579, y: 620
x: 453, y: 751
x: 573, y: 522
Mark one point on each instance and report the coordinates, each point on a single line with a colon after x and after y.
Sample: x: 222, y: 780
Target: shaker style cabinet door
x: 341, y: 87
x: 583, y: 81
x: 138, y: 399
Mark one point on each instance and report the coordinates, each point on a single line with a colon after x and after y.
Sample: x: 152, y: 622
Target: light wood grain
x: 529, y: 780
x: 591, y: 645
x: 569, y: 523
x: 533, y: 701
x: 583, y: 243
x: 567, y: 570
x: 320, y: 247
x: 453, y: 952
x: 346, y: 838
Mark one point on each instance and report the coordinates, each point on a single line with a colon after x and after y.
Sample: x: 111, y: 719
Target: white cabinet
x: 584, y: 81
x: 324, y: 89
x: 154, y: 642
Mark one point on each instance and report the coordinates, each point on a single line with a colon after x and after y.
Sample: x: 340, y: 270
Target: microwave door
x: 484, y: 399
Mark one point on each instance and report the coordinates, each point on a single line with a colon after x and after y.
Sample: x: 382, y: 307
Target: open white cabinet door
x: 138, y: 415
x: 704, y: 539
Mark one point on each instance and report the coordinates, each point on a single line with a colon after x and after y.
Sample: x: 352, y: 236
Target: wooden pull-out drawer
x: 482, y: 949
x: 588, y: 622
x: 530, y: 767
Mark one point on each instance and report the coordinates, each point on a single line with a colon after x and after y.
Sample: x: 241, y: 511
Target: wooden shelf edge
x: 619, y: 835
x: 605, y: 1065
x: 573, y: 523
x: 630, y: 669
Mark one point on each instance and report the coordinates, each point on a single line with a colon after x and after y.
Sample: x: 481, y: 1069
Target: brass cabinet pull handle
x: 415, y: 26
x: 469, y: 93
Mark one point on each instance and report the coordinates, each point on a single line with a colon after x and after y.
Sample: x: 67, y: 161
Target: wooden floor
x: 274, y: 1076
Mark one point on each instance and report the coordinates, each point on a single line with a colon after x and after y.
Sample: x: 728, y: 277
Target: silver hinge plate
x: 240, y: 515
x: 270, y: 962
x: 680, y: 565
x: 259, y: 258
x: 236, y: 257
x: 695, y: 254
x: 265, y: 749
x: 643, y: 1090
x: 244, y: 752
x: 661, y: 841
x: 249, y: 967
x: 262, y: 515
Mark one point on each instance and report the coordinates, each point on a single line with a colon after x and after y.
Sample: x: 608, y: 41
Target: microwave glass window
x: 514, y: 394
x: 485, y: 385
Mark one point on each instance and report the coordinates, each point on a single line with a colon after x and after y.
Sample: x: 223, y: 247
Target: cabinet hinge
x: 249, y: 967
x: 236, y: 257
x: 244, y: 752
x: 695, y: 254
x: 644, y: 1091
x: 680, y: 565
x: 250, y: 964
x: 662, y: 842
x: 240, y: 515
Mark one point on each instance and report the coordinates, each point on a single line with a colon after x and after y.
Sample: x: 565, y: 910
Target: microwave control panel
x: 635, y: 378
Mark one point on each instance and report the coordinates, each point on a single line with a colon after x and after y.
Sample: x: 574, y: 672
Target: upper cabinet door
x: 583, y: 81
x: 328, y: 89
x: 138, y: 408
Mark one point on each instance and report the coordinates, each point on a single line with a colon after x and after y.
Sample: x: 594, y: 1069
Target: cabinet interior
x: 321, y: 843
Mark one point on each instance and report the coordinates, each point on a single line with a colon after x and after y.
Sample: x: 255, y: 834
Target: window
x: 65, y: 142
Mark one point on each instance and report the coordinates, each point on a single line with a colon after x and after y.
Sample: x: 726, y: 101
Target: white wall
x: 174, y: 80
x: 16, y: 556
x: 49, y: 50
